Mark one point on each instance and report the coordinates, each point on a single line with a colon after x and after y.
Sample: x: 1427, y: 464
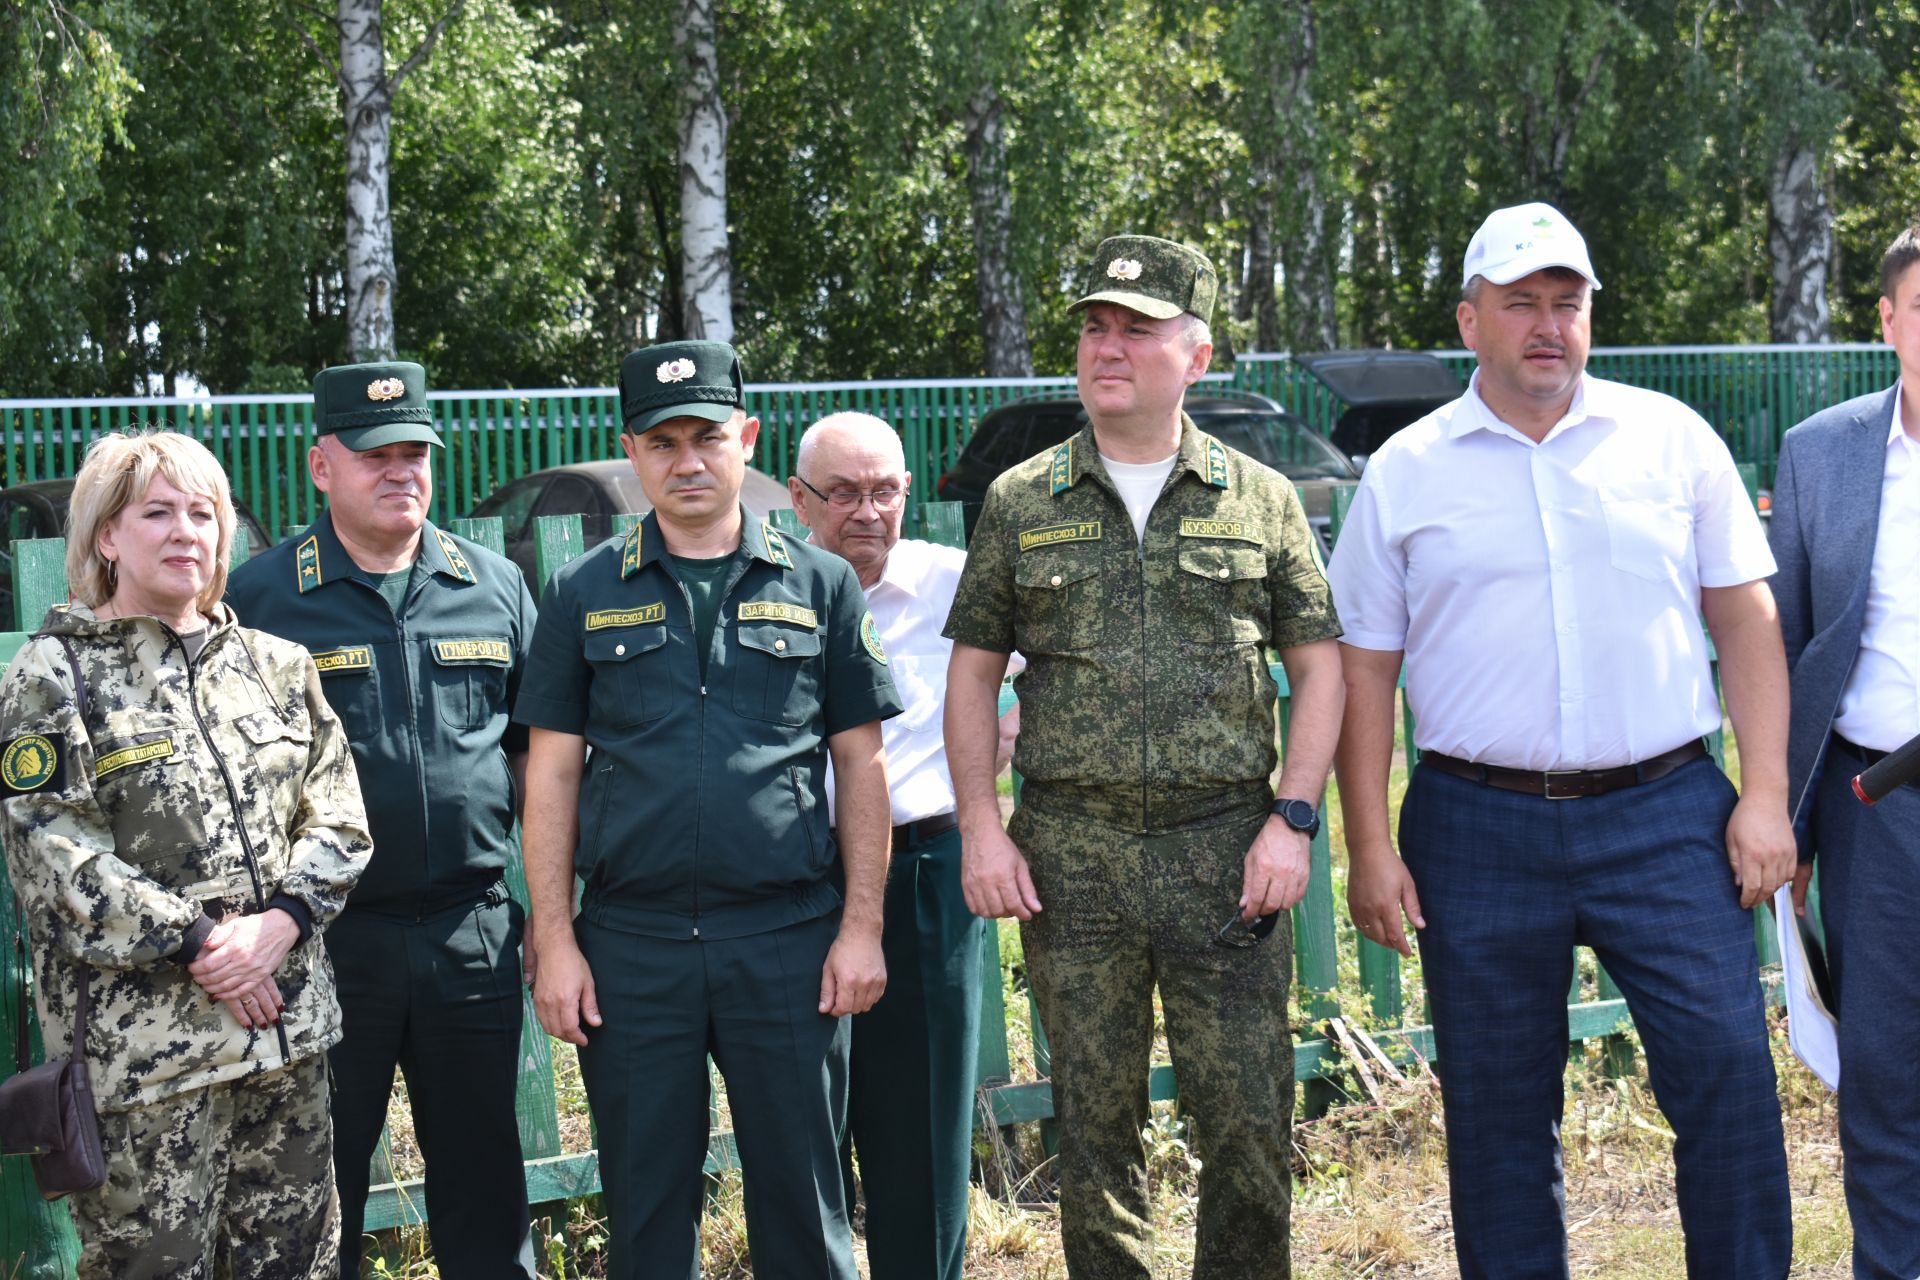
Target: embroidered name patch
x: 778, y: 611
x: 492, y: 652
x: 32, y: 763
x: 1048, y: 535
x: 1192, y: 527
x: 159, y: 749
x: 602, y: 619
x: 336, y: 661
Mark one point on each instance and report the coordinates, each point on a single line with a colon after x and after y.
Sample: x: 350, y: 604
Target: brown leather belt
x: 920, y: 829
x: 1567, y: 784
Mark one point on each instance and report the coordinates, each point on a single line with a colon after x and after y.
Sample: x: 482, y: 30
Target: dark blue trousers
x: 1509, y: 885
x: 1869, y: 886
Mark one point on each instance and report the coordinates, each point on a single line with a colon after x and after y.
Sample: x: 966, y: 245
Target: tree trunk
x: 1003, y: 311
x: 1800, y: 244
x: 369, y: 118
x: 1257, y: 301
x: 1310, y: 312
x: 703, y: 177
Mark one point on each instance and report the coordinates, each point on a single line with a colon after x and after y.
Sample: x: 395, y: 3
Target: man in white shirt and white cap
x: 1540, y: 552
x: 910, y: 1103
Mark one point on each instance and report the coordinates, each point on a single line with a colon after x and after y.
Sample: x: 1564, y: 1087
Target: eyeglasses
x: 1241, y: 934
x: 885, y: 498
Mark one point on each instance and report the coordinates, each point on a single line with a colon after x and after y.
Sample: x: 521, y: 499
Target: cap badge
x: 1124, y: 269
x: 675, y: 370
x: 386, y: 389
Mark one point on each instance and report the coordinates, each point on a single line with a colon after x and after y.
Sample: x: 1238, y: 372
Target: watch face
x: 1299, y: 815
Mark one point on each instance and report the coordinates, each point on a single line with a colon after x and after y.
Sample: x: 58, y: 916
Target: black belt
x: 1567, y: 784
x: 920, y: 829
x: 1868, y: 756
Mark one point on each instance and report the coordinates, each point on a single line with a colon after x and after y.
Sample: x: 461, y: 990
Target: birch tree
x: 704, y: 249
x: 367, y: 92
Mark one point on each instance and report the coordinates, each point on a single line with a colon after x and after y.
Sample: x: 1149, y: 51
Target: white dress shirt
x: 1547, y: 596
x: 1880, y: 707
x: 910, y: 605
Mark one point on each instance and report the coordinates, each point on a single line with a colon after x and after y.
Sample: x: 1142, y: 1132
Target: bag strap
x: 20, y: 1003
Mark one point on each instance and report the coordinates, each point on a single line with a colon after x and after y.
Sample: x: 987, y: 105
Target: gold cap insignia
x: 386, y: 389
x: 674, y: 370
x: 1124, y: 269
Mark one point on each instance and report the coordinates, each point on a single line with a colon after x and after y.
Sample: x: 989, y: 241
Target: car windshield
x: 1283, y: 442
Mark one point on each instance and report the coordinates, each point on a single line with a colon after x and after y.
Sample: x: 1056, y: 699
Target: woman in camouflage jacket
x: 179, y: 831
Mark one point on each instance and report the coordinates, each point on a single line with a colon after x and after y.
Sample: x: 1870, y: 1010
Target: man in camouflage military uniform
x: 421, y: 638
x: 1143, y: 568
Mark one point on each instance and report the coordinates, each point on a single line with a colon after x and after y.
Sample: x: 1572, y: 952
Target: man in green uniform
x: 421, y: 639
x: 1143, y: 569
x: 714, y: 667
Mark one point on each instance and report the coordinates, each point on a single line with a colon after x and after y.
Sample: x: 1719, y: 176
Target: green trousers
x: 910, y: 1109
x: 1124, y: 912
x: 753, y: 1003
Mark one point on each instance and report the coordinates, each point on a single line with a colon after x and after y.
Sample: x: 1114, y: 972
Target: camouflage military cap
x: 680, y: 380
x: 366, y: 406
x: 1155, y: 277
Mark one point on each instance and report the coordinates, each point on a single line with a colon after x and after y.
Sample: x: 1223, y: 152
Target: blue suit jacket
x: 1826, y: 516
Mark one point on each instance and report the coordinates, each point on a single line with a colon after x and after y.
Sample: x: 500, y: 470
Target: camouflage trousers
x: 233, y: 1180
x: 1122, y: 912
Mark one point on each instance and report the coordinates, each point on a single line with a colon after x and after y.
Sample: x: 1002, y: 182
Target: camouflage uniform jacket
x: 1147, y: 700
x: 190, y: 790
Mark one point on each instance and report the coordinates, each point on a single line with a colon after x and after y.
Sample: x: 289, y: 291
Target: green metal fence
x: 1751, y: 394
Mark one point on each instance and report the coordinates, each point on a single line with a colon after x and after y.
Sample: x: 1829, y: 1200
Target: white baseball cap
x: 1524, y: 239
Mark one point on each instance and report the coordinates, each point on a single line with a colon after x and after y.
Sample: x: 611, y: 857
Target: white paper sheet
x: 1811, y: 1029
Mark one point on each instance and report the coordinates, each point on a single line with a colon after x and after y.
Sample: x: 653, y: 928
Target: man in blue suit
x: 1846, y: 529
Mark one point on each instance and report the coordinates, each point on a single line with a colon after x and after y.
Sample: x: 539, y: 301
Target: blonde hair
x: 119, y: 469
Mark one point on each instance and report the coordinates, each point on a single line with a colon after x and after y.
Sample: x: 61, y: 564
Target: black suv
x: 1255, y: 425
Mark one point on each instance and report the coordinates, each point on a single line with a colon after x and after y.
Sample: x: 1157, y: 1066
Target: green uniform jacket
x: 424, y: 697
x: 1146, y: 699
x: 703, y: 812
x: 189, y: 791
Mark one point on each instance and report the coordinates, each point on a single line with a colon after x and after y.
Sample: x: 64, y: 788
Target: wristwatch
x: 1301, y: 815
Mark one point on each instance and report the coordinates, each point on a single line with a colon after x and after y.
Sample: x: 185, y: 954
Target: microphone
x: 1895, y: 768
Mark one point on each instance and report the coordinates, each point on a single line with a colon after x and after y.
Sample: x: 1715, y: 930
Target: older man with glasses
x: 910, y: 1111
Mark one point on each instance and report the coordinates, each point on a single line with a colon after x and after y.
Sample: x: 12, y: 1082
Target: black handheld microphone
x: 1895, y: 768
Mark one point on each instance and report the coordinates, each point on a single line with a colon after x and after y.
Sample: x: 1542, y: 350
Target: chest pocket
x: 469, y: 679
x: 775, y: 676
x: 1057, y: 604
x: 352, y: 686
x: 1649, y: 526
x: 277, y: 753
x: 1226, y: 589
x: 632, y: 683
x: 150, y: 793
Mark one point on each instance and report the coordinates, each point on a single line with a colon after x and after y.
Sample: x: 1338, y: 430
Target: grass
x: 1370, y: 1185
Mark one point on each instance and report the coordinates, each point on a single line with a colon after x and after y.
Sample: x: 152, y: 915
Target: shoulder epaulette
x: 630, y: 554
x: 1216, y: 464
x: 1060, y: 474
x: 776, y: 546
x: 307, y: 560
x: 455, y: 561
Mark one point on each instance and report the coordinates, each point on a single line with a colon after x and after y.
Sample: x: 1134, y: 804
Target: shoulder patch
x: 461, y: 569
x: 870, y: 637
x: 1194, y: 527
x: 491, y: 653
x: 33, y: 762
x: 333, y: 662
x: 602, y: 619
x: 139, y: 753
x: 1049, y: 534
x: 630, y: 554
x: 1216, y: 464
x: 1060, y: 474
x: 776, y: 546
x: 777, y: 611
x: 308, y: 562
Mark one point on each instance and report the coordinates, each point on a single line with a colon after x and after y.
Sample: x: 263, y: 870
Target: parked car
x: 1383, y: 390
x: 38, y: 509
x: 596, y: 492
x: 1255, y: 425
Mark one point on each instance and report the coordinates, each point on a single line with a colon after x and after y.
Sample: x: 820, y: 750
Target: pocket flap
x: 1224, y: 564
x: 781, y: 642
x: 1054, y: 573
x: 619, y: 646
x: 261, y: 727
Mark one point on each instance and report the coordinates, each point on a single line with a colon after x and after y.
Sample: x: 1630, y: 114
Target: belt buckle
x: 1548, y: 775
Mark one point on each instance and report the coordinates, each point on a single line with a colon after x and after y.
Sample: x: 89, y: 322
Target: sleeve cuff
x: 193, y: 940
x: 302, y: 918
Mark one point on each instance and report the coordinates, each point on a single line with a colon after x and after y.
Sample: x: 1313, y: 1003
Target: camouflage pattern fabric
x: 184, y: 795
x: 234, y: 1180
x: 1146, y: 693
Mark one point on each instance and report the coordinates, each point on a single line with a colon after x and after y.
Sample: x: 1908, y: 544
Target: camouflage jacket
x: 1146, y: 699
x: 189, y: 791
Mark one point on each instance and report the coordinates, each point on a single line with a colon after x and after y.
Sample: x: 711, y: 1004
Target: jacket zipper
x: 233, y: 798
x: 700, y: 758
